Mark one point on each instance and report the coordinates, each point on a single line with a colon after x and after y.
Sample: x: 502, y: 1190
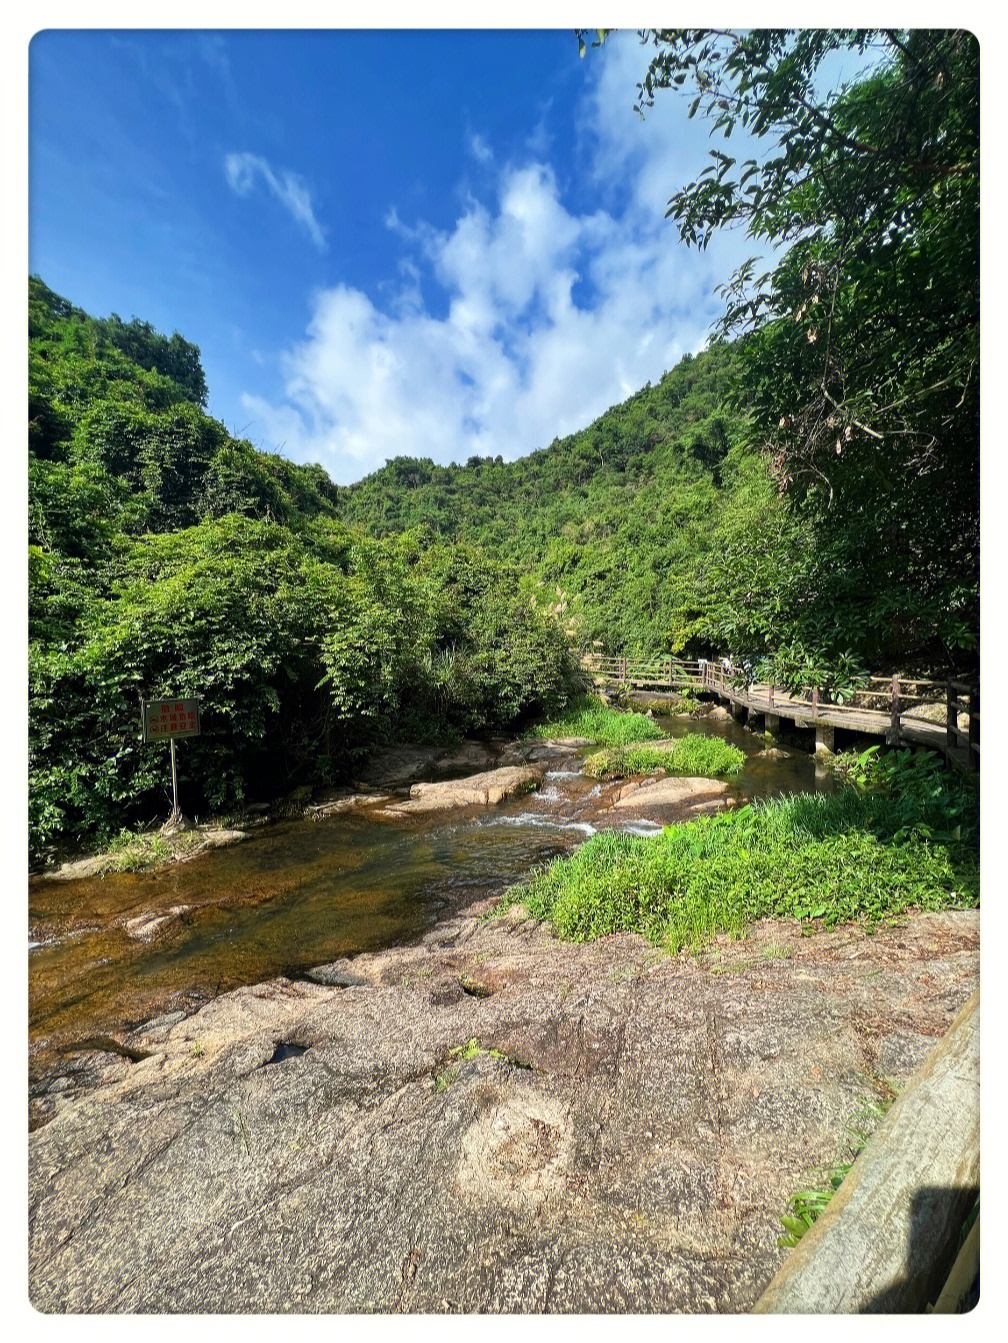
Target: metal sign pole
x: 171, y: 719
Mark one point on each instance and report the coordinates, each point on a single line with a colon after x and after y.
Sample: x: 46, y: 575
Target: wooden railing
x: 962, y: 698
x: 943, y: 714
x: 888, y: 1236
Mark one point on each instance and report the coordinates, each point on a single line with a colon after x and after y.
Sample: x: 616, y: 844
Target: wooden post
x: 815, y: 701
x: 771, y: 694
x: 951, y: 721
x: 888, y: 1235
x: 623, y: 671
x: 894, y: 722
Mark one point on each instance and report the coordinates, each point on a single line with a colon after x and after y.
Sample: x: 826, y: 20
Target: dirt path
x: 488, y: 1120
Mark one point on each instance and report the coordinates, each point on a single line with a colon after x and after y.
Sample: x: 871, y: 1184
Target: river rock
x: 145, y: 926
x: 337, y: 975
x: 610, y: 1128
x: 687, y: 796
x: 399, y: 766
x: 480, y: 790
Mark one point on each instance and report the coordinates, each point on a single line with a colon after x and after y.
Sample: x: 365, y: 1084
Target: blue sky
x: 432, y: 243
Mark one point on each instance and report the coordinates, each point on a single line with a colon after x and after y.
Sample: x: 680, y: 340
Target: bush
x: 703, y: 757
x: 857, y: 854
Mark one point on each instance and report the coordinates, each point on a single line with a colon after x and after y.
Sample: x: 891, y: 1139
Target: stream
x: 108, y: 953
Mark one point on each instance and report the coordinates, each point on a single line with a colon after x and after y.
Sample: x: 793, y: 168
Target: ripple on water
x: 645, y: 829
x: 528, y: 818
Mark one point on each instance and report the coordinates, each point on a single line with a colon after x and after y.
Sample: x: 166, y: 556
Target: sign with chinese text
x: 166, y: 718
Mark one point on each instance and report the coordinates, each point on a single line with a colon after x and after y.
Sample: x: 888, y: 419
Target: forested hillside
x: 806, y: 496
x: 167, y: 558
x: 663, y: 528
x: 622, y: 519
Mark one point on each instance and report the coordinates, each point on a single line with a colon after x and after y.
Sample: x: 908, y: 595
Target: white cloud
x: 242, y: 170
x: 479, y: 149
x: 548, y: 317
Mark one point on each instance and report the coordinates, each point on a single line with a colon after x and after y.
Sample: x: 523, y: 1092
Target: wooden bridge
x: 944, y: 715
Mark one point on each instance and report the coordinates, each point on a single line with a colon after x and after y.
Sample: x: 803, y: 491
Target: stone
x: 688, y: 796
x: 337, y: 975
x: 612, y: 1129
x: 477, y: 790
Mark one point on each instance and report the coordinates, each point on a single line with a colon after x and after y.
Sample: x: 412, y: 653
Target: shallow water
x: 297, y: 894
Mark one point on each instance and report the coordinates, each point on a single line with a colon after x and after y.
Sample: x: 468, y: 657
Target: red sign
x: 166, y: 718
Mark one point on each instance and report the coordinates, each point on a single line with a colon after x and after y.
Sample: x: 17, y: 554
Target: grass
x: 775, y: 951
x: 808, y: 1205
x: 474, y: 1049
x: 588, y: 717
x: 694, y: 754
x: 863, y: 853
x: 138, y: 850
x: 134, y: 851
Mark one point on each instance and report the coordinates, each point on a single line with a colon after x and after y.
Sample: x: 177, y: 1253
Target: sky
x: 424, y: 243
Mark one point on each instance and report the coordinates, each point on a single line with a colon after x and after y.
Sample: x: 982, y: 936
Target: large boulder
x: 476, y: 790
x: 675, y: 798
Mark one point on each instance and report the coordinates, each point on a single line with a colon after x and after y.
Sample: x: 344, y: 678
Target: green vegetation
x: 862, y: 391
x: 706, y: 757
x: 808, y: 1205
x: 132, y: 851
x: 863, y: 853
x: 473, y: 1050
x: 167, y: 558
x: 588, y: 717
x: 807, y: 496
x: 618, y: 520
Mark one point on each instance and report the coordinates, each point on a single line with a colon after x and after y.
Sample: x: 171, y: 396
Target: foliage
x: 808, y: 1205
x: 696, y: 755
x: 861, y: 374
x: 618, y: 521
x: 473, y: 1050
x: 862, y: 853
x: 589, y: 718
x: 131, y: 851
x: 168, y: 559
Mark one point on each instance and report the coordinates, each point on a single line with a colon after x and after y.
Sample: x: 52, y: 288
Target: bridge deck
x: 899, y: 710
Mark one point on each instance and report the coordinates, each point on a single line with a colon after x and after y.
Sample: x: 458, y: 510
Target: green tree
x: 861, y: 374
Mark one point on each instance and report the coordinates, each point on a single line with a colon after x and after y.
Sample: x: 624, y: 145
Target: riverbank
x: 360, y: 870
x: 488, y: 1119
x: 388, y: 779
x: 408, y: 780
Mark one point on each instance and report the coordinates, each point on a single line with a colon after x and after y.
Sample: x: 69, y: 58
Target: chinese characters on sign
x: 167, y: 718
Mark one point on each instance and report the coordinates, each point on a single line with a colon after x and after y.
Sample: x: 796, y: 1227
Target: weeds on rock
x: 694, y: 755
x: 808, y: 1205
x: 588, y: 717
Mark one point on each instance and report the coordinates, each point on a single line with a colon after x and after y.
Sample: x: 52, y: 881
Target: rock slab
x: 488, y: 1120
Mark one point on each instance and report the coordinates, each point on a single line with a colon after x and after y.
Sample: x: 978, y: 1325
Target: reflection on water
x: 297, y: 894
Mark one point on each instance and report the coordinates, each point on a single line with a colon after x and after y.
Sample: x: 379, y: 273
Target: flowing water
x: 297, y: 894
